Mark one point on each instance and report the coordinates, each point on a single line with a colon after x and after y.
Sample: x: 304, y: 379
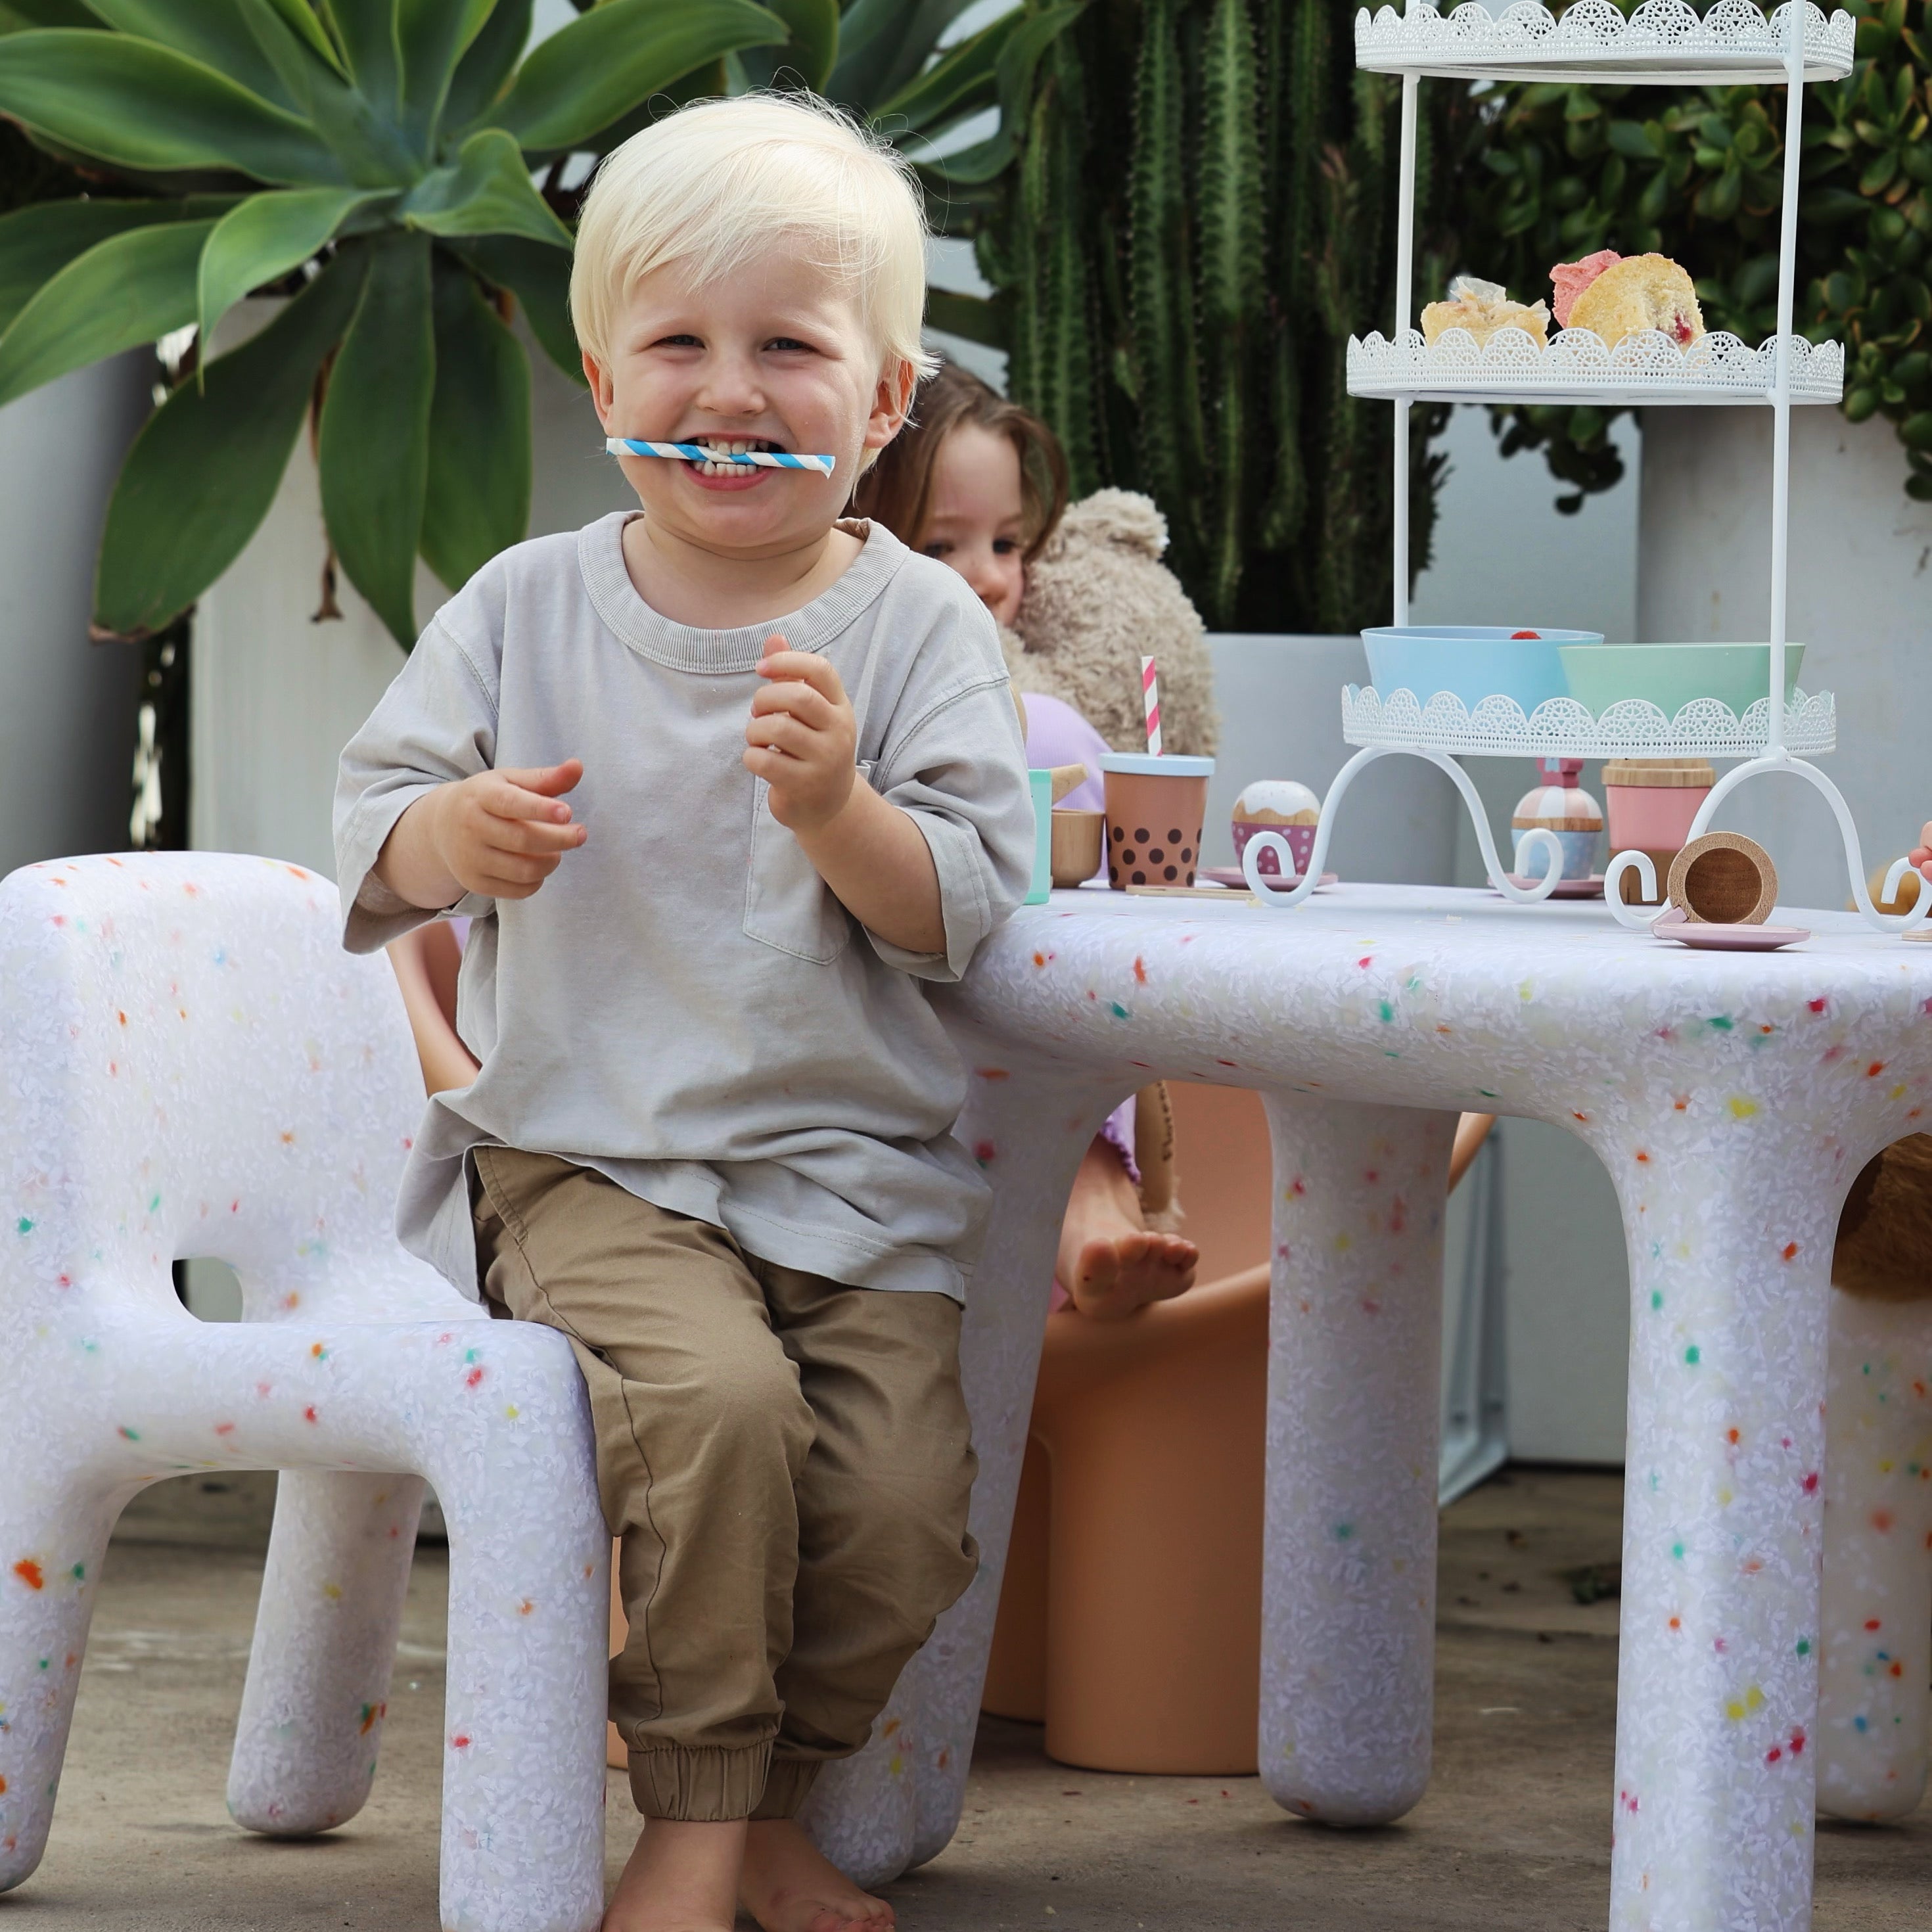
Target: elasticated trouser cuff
x: 787, y: 1784
x: 708, y: 1785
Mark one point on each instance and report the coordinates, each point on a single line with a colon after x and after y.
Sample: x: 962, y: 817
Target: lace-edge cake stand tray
x: 1562, y: 728
x: 1646, y: 367
x: 1664, y: 41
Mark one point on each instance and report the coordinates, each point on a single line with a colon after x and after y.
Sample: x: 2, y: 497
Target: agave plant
x: 375, y: 160
x: 380, y: 152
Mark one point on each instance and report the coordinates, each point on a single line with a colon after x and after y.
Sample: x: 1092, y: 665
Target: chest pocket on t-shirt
x: 787, y: 904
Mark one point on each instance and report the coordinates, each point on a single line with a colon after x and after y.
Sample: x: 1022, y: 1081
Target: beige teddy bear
x: 1098, y: 599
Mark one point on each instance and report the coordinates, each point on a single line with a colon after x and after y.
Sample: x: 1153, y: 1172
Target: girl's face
x: 975, y: 517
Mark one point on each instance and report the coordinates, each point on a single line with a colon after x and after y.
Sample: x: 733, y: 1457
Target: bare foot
x: 790, y: 1886
x: 681, y: 1878
x: 1108, y: 1261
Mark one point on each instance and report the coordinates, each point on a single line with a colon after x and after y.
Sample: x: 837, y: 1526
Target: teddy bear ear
x: 1122, y: 517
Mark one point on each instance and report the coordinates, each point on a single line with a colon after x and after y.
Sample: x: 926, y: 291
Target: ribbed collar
x: 600, y: 553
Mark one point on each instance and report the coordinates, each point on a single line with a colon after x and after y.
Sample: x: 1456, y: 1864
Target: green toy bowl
x: 1671, y: 676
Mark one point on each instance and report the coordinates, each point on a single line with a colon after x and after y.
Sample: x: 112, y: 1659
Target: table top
x: 1436, y: 996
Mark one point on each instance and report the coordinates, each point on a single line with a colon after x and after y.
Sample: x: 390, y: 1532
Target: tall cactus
x: 1204, y: 212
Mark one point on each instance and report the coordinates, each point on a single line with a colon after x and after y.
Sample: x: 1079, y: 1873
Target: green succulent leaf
x: 488, y: 64
x: 963, y: 80
x: 883, y: 44
x: 298, y: 17
x: 813, y: 26
x: 478, y: 501
x: 366, y: 30
x: 123, y: 292
x: 215, y: 32
x: 205, y: 469
x: 37, y: 242
x: 137, y: 105
x: 432, y: 35
x: 487, y: 191
x: 973, y: 317
x: 53, y: 13
x: 265, y: 238
x: 374, y: 443
x: 598, y: 68
x: 539, y: 276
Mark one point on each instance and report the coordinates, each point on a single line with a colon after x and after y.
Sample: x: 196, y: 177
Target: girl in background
x: 980, y: 484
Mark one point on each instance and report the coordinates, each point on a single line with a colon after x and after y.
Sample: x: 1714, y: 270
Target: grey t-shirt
x: 684, y: 1006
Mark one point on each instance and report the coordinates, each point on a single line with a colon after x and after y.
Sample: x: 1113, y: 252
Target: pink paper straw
x: 1151, y: 693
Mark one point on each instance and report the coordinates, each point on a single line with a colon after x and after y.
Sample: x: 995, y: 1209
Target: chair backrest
x: 190, y: 1064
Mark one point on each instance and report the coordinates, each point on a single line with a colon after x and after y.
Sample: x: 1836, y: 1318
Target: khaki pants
x: 785, y: 1458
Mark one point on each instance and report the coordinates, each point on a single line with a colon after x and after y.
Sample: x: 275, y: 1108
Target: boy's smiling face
x: 776, y: 356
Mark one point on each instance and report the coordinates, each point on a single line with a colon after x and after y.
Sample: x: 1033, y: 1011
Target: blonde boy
x: 709, y: 1141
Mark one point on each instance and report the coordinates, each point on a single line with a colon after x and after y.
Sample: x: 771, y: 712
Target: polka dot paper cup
x: 1156, y: 807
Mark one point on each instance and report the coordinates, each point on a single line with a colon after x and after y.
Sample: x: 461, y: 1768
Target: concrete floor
x: 1512, y: 1836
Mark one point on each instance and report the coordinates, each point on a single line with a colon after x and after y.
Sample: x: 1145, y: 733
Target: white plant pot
x: 67, y: 707
x: 1859, y: 601
x: 275, y: 695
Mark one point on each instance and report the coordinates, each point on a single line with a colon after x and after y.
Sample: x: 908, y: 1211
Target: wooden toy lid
x: 1679, y: 773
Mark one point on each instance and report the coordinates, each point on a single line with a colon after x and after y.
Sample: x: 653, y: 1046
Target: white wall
x: 275, y: 695
x: 1860, y: 599
x: 67, y: 706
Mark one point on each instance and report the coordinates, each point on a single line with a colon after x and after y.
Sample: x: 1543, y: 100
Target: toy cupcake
x: 1281, y: 805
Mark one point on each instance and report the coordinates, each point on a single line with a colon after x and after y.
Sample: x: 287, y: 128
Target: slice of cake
x: 1640, y: 292
x: 1570, y: 279
x: 1482, y: 308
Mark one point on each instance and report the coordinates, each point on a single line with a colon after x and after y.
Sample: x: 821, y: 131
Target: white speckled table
x: 1732, y: 1097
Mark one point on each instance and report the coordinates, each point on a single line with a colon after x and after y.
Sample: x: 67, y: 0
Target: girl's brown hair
x: 897, y: 491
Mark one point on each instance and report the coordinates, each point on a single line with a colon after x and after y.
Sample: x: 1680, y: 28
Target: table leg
x: 1348, y: 1612
x: 1872, y: 1701
x: 1028, y: 1133
x: 1730, y: 1226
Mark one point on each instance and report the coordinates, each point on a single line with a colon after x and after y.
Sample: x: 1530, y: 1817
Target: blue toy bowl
x: 1470, y: 662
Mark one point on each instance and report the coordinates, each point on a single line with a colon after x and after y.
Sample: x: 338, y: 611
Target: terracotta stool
x: 1129, y: 1619
x: 1130, y: 1616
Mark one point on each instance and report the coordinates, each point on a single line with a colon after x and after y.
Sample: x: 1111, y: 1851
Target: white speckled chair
x: 190, y: 1064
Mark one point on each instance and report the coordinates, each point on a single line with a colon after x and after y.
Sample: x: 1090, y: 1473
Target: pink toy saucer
x: 1233, y: 875
x: 1591, y: 888
x: 1673, y: 924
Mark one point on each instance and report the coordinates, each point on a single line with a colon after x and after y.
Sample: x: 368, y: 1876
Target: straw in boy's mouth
x: 731, y: 446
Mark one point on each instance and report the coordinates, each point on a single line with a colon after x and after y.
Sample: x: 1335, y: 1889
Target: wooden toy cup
x: 1156, y: 807
x: 1724, y: 879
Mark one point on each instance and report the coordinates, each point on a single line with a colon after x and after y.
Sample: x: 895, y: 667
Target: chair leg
x: 1877, y: 1606
x: 325, y: 1644
x: 52, y: 1546
x: 524, y: 1720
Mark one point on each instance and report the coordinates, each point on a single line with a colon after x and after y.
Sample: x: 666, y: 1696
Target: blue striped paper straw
x: 694, y: 452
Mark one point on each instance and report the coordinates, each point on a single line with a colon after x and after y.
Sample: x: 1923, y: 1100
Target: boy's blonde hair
x: 718, y: 183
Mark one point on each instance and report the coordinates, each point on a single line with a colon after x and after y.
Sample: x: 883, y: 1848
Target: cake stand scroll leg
x: 1801, y: 768
x: 1267, y: 889
x: 1349, y: 1589
x: 1537, y: 840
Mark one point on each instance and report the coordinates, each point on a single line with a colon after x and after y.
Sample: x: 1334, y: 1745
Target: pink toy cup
x: 1650, y: 804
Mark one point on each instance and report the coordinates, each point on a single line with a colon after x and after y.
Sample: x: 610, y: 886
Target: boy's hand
x: 802, y: 738
x: 502, y: 833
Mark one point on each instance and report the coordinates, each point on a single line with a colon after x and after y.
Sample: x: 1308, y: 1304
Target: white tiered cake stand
x: 1663, y: 41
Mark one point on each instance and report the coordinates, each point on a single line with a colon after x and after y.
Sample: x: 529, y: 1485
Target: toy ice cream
x: 1557, y: 804
x: 1281, y: 805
